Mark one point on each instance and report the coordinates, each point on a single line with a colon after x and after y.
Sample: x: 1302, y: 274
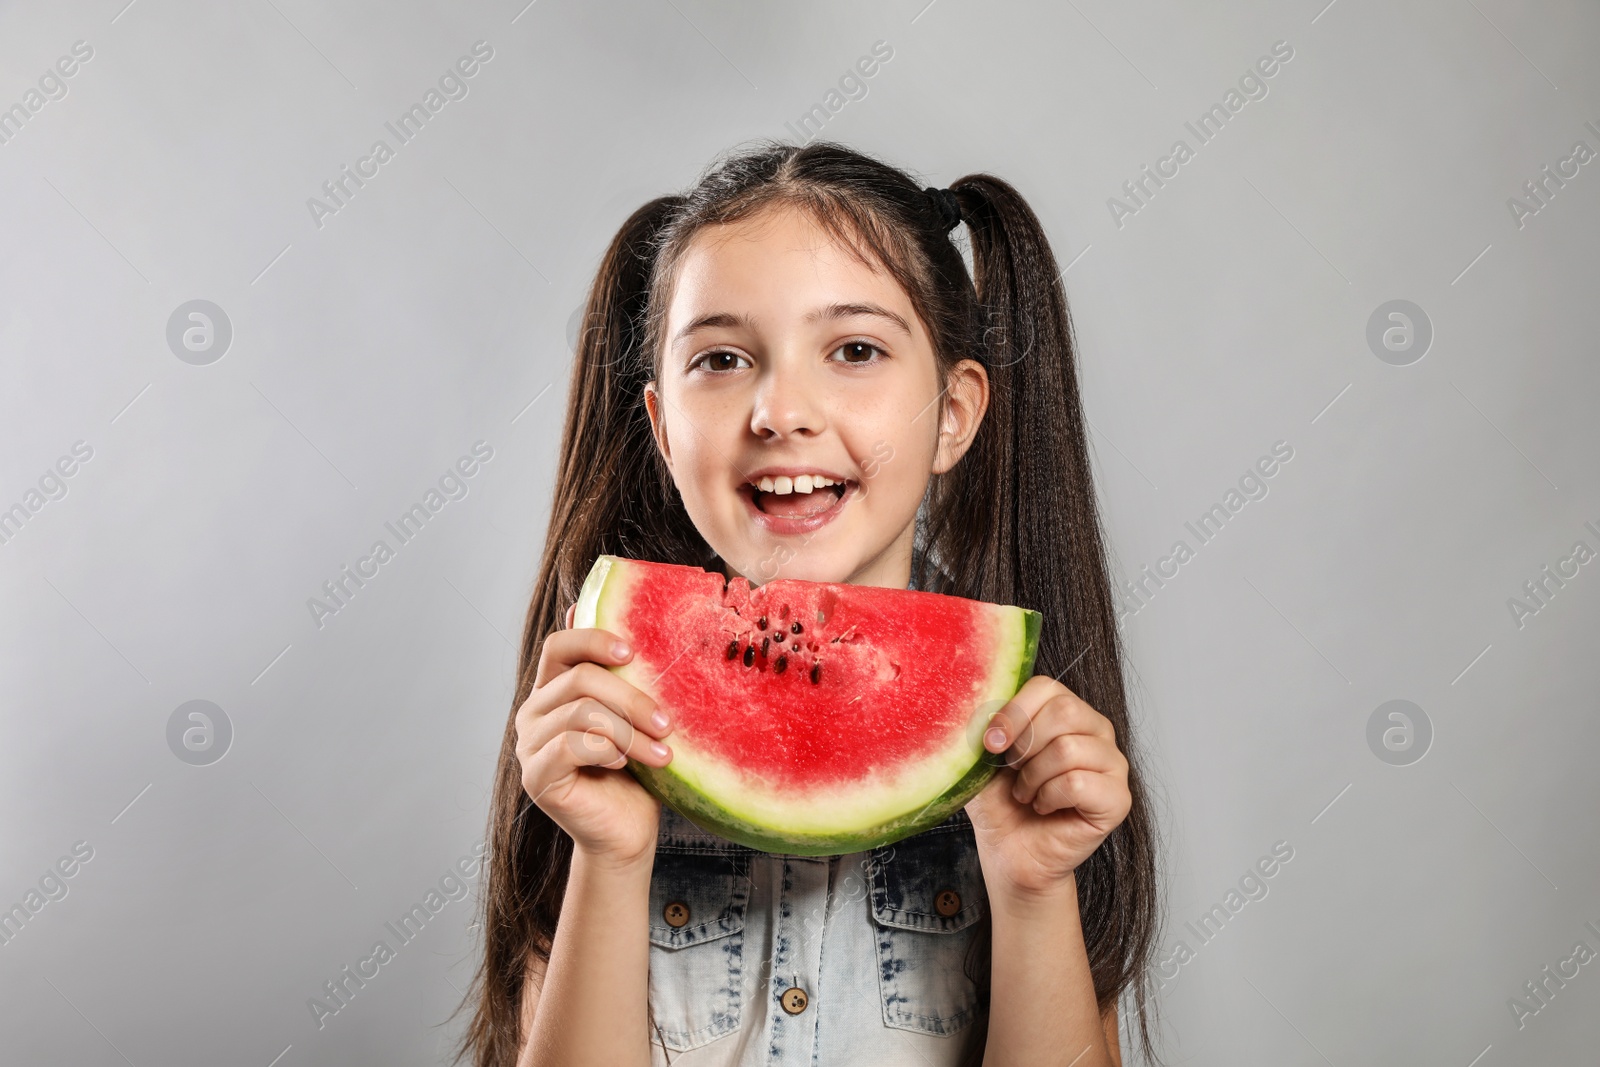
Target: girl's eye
x: 862, y: 349
x: 723, y: 360
x: 718, y: 361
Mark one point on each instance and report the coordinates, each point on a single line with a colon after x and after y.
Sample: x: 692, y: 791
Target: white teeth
x: 804, y: 483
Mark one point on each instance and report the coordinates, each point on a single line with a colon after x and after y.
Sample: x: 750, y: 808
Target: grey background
x: 434, y: 311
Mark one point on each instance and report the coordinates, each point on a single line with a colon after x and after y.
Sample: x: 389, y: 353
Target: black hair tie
x: 946, y: 204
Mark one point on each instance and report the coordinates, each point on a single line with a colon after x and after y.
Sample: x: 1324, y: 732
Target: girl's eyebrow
x: 831, y: 311
x: 715, y: 320
x: 845, y: 311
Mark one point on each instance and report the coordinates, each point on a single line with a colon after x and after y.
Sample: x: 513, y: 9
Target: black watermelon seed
x: 783, y: 661
x: 749, y: 654
x: 796, y: 646
x: 761, y: 623
x: 796, y: 627
x: 764, y: 642
x: 733, y: 648
x: 816, y: 672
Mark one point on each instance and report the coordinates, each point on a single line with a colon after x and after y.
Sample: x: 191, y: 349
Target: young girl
x: 789, y: 372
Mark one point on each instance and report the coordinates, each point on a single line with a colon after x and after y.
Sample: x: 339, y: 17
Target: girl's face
x: 785, y: 361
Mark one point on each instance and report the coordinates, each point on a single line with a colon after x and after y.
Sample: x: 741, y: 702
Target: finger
x: 1079, y: 717
x: 570, y: 609
x: 589, y: 679
x: 1102, y: 799
x: 554, y: 768
x: 1015, y: 721
x: 1013, y: 717
x: 1048, y: 723
x: 1062, y: 753
x: 589, y: 726
x: 594, y: 723
x: 564, y: 648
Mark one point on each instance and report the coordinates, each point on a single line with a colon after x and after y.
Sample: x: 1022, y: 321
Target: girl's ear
x: 658, y: 426
x: 966, y: 400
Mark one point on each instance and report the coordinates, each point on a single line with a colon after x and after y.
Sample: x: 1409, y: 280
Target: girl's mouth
x: 793, y: 512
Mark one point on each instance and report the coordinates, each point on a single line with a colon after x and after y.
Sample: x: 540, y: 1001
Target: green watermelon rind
x: 672, y: 790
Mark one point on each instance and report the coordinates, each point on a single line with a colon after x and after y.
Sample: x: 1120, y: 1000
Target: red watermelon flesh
x: 812, y: 718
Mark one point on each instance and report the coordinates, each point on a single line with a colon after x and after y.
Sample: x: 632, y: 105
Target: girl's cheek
x: 882, y: 453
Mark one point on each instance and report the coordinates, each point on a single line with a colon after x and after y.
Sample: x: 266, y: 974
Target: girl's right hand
x: 575, y: 734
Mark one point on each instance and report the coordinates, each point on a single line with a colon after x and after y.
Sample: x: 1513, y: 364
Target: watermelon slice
x: 812, y: 718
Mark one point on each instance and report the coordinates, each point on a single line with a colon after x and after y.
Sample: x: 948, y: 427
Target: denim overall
x: 812, y: 961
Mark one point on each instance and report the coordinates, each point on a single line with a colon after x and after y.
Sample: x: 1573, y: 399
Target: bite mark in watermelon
x: 812, y: 718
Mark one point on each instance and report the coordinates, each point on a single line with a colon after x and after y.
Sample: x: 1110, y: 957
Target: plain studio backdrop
x: 1371, y: 270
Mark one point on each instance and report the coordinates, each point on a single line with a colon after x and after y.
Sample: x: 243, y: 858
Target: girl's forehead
x: 775, y: 257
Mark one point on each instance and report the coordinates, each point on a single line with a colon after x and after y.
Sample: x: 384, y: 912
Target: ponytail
x: 1016, y: 523
x: 612, y: 495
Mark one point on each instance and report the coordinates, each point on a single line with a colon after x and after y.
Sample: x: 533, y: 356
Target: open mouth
x: 798, y: 510
x: 795, y: 504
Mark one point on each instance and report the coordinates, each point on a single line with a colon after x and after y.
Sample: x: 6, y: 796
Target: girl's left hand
x: 1063, y: 789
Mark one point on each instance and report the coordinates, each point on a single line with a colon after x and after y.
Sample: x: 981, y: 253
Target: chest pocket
x: 927, y: 895
x: 699, y: 890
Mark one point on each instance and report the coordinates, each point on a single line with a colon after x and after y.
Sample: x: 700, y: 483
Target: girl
x: 790, y: 372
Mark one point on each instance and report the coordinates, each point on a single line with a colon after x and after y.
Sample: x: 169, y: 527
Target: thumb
x: 990, y: 803
x: 570, y: 610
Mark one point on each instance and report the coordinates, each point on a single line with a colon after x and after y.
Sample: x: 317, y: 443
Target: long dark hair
x: 1014, y: 522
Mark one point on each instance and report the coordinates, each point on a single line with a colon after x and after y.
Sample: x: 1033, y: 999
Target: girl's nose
x: 788, y: 402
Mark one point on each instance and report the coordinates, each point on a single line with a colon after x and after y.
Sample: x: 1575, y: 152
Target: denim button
x: 927, y: 897
x: 794, y: 1000
x: 699, y: 891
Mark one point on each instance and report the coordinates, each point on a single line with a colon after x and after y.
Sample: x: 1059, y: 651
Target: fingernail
x: 619, y: 649
x: 995, y: 738
x: 659, y: 720
x: 658, y: 749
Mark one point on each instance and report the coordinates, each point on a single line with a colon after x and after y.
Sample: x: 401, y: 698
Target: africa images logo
x: 453, y: 85
x: 454, y: 885
x: 52, y: 86
x: 1136, y: 595
x: 341, y: 589
x: 1252, y: 86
